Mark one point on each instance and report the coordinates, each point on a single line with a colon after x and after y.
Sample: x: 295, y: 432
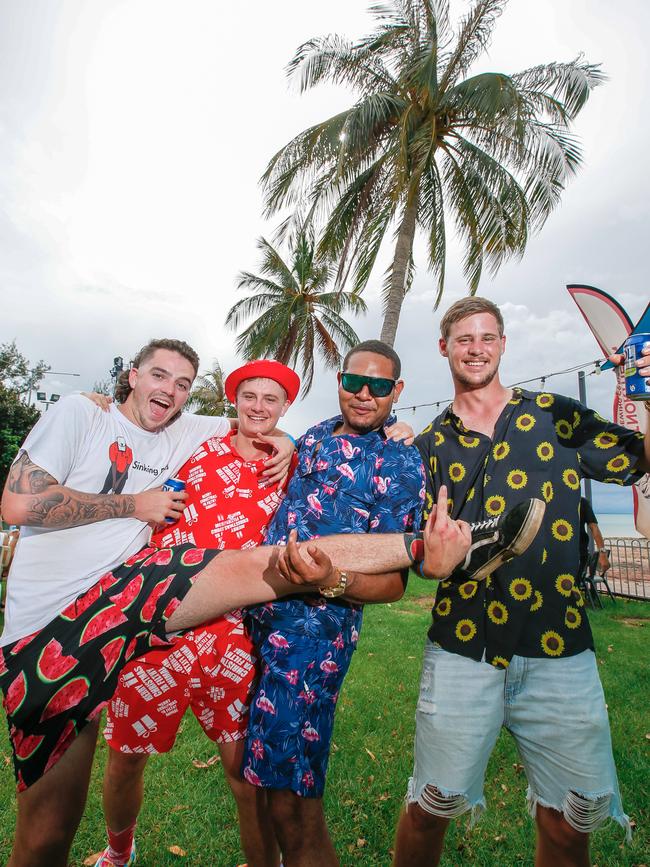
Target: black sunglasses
x: 377, y: 386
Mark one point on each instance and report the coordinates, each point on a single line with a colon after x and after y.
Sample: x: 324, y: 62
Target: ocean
x: 617, y: 525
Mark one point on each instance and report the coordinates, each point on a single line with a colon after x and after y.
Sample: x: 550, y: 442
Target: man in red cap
x: 212, y: 668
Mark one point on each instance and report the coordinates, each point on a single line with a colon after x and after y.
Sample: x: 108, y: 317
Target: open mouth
x: 160, y: 406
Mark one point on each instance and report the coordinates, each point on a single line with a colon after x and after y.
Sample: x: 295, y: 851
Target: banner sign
x: 610, y: 325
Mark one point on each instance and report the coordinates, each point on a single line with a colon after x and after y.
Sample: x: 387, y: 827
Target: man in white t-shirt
x: 84, y: 598
x: 71, y: 539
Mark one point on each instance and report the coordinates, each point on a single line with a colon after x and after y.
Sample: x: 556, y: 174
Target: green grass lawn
x: 190, y: 808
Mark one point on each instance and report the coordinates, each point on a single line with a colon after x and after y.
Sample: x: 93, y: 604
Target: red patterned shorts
x: 211, y: 669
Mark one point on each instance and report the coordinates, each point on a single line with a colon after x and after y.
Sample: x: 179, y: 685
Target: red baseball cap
x: 267, y: 369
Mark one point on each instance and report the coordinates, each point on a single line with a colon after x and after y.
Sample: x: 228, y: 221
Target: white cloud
x: 132, y: 137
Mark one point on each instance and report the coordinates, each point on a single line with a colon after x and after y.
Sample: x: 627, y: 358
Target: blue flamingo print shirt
x: 360, y: 483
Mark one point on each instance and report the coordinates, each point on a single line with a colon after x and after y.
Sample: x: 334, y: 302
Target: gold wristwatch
x: 337, y: 589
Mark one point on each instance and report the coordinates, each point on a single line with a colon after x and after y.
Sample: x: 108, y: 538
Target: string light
x: 595, y: 364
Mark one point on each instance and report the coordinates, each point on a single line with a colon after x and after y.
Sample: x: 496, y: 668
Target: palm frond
x: 208, y: 395
x: 370, y: 241
x: 484, y: 98
x: 329, y: 350
x: 473, y: 39
x: 251, y: 306
x: 490, y: 208
x: 491, y: 152
x: 273, y: 265
x: 305, y: 352
x: 432, y: 216
x: 345, y: 336
x: 569, y: 83
x: 337, y: 60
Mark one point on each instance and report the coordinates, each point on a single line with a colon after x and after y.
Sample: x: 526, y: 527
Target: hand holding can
x: 173, y: 485
x: 637, y: 383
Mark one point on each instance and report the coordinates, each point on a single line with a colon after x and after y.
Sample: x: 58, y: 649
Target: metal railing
x: 629, y: 575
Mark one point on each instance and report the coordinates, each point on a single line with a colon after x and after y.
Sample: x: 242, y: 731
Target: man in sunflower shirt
x: 515, y: 650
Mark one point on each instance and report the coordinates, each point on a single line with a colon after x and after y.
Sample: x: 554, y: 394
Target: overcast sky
x: 132, y: 137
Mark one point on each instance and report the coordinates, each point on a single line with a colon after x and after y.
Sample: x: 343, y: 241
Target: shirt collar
x: 448, y: 416
x: 332, y: 423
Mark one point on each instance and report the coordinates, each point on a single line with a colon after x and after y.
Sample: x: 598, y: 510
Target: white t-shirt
x: 88, y: 450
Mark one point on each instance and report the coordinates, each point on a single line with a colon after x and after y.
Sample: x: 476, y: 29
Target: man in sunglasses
x: 350, y: 478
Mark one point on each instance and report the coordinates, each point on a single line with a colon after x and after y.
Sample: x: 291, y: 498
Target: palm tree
x: 208, y: 396
x: 296, y: 315
x: 424, y: 146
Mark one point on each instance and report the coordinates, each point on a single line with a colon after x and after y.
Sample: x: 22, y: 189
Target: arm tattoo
x: 54, y: 506
x: 26, y: 478
x: 61, y: 508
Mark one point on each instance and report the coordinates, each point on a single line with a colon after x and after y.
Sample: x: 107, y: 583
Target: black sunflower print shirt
x: 543, y: 445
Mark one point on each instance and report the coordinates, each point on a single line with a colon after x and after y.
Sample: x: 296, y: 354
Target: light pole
x: 116, y: 369
x: 32, y: 381
x: 41, y: 397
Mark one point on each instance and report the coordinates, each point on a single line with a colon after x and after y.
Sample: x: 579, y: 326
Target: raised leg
x: 258, y: 579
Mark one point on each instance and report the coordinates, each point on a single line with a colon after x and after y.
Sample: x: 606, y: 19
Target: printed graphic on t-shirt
x: 121, y: 456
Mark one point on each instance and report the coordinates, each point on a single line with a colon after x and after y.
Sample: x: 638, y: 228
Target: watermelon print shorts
x: 61, y: 677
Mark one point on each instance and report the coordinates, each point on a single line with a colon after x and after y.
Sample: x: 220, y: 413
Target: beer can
x: 173, y: 485
x: 637, y: 387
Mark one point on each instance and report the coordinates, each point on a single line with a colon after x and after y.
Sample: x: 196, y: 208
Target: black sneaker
x: 499, y: 539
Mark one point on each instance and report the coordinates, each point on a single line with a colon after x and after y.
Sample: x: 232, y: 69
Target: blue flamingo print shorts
x: 292, y: 716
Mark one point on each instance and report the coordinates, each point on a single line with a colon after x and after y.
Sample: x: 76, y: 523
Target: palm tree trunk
x: 401, y: 259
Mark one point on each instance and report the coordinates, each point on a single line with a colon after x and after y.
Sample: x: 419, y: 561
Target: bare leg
x: 49, y: 812
x: 301, y: 829
x: 123, y: 789
x: 420, y: 838
x: 124, y: 792
x: 559, y: 844
x: 255, y: 827
x: 258, y: 580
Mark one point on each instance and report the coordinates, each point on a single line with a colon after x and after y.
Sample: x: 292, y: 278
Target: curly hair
x: 123, y: 387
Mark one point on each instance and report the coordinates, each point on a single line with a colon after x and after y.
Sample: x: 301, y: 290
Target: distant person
x: 515, y: 651
x: 589, y: 525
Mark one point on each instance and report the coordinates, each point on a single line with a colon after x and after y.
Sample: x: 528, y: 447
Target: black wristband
x: 414, y: 543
